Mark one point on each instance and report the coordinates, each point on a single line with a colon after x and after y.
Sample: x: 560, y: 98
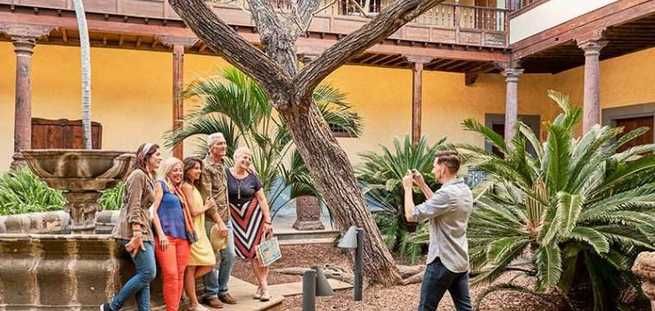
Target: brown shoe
x: 214, y: 302
x: 227, y: 298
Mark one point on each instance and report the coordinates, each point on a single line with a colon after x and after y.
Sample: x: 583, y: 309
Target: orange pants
x: 172, y: 262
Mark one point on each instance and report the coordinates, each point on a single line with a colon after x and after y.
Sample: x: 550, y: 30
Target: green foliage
x: 235, y: 105
x: 112, y: 198
x: 381, y: 176
x: 23, y: 192
x: 575, y: 211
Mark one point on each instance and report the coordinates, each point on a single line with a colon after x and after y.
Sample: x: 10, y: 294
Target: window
x: 63, y: 134
x: 339, y: 132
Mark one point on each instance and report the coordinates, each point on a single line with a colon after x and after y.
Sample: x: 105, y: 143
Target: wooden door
x: 500, y: 129
x: 630, y: 124
x: 63, y: 134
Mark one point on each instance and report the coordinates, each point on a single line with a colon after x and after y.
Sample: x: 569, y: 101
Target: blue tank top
x: 170, y: 214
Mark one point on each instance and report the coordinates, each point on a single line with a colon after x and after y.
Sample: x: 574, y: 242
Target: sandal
x: 266, y: 296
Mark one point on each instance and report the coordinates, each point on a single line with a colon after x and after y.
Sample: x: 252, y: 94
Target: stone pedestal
x: 308, y: 214
x: 644, y: 268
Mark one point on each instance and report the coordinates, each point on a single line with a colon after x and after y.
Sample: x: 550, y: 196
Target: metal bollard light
x: 354, y: 239
x: 359, y: 265
x: 309, y: 290
x: 314, y: 283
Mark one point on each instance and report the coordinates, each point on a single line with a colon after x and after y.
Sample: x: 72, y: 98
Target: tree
x: 275, y: 68
x: 574, y: 212
x: 85, y: 55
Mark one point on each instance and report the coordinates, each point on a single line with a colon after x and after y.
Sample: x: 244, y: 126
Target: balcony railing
x: 445, y: 23
x: 519, y: 6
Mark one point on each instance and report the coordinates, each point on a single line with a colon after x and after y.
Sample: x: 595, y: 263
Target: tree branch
x: 386, y: 23
x: 307, y: 9
x: 234, y: 48
x: 278, y: 34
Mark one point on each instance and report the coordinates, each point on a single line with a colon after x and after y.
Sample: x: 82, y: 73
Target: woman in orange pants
x: 175, y: 232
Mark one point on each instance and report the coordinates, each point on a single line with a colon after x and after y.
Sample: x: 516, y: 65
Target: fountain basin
x: 81, y: 175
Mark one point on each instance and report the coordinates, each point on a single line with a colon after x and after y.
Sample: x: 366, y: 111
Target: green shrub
x: 574, y: 214
x: 381, y: 175
x: 23, y: 192
x: 112, y: 198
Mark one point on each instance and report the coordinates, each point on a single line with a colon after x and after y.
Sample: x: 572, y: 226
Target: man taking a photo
x: 448, y: 210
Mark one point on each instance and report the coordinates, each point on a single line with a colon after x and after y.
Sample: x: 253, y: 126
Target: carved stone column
x: 24, y: 39
x: 178, y: 44
x: 512, y: 73
x: 591, y: 106
x: 417, y: 63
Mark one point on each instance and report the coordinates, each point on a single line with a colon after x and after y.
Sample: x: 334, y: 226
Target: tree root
x: 330, y: 272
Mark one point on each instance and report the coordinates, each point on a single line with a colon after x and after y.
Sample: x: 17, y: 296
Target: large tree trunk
x: 332, y: 172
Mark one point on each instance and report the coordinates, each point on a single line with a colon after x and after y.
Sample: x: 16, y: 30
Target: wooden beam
x: 383, y: 59
x: 368, y: 59
x: 609, y: 15
x: 470, y: 77
x: 64, y: 35
x: 417, y: 101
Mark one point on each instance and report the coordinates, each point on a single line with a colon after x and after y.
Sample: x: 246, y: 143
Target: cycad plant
x: 573, y: 214
x: 381, y: 176
x: 23, y: 192
x: 235, y: 105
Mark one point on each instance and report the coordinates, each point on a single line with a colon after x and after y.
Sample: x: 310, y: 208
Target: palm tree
x: 235, y: 105
x: 574, y: 212
x: 85, y: 52
x: 381, y: 175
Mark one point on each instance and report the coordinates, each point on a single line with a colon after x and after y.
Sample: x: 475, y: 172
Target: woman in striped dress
x: 250, y: 216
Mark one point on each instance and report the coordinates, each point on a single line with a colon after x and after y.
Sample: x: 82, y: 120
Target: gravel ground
x: 404, y: 298
x: 376, y: 298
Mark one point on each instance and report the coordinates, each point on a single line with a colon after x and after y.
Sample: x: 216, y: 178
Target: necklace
x: 238, y: 184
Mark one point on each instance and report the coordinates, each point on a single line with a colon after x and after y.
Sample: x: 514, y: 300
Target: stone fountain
x: 42, y: 267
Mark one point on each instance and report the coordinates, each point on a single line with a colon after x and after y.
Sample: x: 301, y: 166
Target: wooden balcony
x: 444, y: 24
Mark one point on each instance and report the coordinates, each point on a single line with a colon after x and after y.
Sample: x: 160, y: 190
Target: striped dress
x: 247, y: 216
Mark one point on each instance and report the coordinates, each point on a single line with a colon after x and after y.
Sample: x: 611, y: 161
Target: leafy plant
x: 112, y: 198
x: 23, y: 192
x: 235, y: 105
x: 381, y: 175
x: 574, y: 214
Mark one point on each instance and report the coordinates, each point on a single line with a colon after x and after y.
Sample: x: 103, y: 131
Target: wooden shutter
x: 63, y: 134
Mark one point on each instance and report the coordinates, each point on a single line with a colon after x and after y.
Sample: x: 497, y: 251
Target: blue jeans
x: 437, y: 280
x: 139, y: 283
x: 216, y: 280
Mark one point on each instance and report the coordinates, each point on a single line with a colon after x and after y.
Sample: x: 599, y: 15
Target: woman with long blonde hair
x: 174, y: 231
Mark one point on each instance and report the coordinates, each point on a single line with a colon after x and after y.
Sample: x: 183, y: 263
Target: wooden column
x: 24, y: 39
x: 178, y: 44
x: 591, y: 106
x: 512, y: 74
x: 417, y: 63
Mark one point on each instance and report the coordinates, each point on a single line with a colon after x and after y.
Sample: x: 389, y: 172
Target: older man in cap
x: 214, y: 185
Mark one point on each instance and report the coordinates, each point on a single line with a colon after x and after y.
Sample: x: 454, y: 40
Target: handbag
x: 217, y: 241
x: 268, y: 251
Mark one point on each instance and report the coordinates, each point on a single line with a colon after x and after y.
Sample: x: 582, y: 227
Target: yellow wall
x: 131, y: 95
